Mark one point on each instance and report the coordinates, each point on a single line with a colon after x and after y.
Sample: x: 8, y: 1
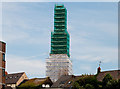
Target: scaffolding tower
x: 59, y: 62
x: 58, y: 65
x: 60, y: 36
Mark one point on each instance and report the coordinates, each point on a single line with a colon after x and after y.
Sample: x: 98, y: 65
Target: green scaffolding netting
x: 60, y: 36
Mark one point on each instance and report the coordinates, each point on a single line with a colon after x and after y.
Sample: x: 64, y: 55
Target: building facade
x: 15, y: 79
x: 2, y: 64
x: 59, y: 62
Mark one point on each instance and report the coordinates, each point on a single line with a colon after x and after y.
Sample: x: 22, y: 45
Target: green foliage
x: 106, y: 79
x: 90, y: 82
x: 112, y: 84
x: 86, y: 82
x: 119, y: 83
x: 30, y: 85
x: 76, y: 85
x: 27, y: 84
x: 89, y: 86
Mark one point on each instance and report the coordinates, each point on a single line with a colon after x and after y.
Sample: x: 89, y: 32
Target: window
x: 3, y: 57
x: 69, y: 82
x: 3, y: 72
x: 10, y: 76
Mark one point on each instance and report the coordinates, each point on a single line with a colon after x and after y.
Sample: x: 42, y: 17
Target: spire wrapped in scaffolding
x: 59, y: 62
x: 60, y: 36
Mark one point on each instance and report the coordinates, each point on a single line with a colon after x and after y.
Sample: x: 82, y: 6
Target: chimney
x: 98, y: 70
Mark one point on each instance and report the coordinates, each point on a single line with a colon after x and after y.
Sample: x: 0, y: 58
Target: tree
x: 86, y: 82
x: 112, y: 84
x: 89, y: 86
x: 76, y: 85
x: 106, y: 79
x: 119, y: 84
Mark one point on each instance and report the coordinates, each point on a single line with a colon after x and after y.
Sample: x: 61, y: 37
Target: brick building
x: 2, y: 64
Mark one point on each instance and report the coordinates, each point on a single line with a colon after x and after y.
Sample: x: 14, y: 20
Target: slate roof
x: 13, y: 78
x: 114, y: 73
x: 65, y: 81
x: 61, y: 81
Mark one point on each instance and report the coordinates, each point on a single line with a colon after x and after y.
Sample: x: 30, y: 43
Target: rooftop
x: 13, y: 78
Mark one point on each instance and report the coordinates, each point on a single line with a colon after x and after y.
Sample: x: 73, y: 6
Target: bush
x: 86, y: 82
x: 29, y: 87
x: 76, y: 85
x: 90, y: 82
x: 89, y: 86
x: 106, y: 79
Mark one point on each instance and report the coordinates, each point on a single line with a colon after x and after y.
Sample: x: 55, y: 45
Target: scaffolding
x: 60, y: 36
x: 58, y: 65
x: 59, y: 62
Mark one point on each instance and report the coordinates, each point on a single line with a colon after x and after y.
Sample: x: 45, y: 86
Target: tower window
x: 3, y: 72
x: 3, y: 57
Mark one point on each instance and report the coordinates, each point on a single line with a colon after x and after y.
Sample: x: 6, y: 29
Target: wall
x: 0, y: 70
x: 12, y: 85
x: 23, y: 77
x: 2, y: 63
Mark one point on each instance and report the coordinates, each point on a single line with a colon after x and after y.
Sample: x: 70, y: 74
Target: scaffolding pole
x: 58, y: 65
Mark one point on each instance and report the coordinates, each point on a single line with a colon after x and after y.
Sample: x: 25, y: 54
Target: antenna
x: 100, y: 63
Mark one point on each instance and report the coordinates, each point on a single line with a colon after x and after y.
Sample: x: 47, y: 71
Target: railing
x: 59, y: 25
x: 58, y: 45
x: 60, y: 8
x: 60, y: 33
x: 57, y: 41
x: 56, y: 13
x: 60, y: 29
x: 60, y: 37
x: 60, y: 21
x: 60, y: 17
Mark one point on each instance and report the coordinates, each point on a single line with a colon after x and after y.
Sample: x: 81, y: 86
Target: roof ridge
x: 16, y: 73
x: 109, y: 71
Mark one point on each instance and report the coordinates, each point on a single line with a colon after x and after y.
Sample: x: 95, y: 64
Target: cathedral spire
x: 59, y: 62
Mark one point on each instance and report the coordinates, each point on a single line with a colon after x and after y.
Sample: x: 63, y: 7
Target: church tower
x: 59, y: 62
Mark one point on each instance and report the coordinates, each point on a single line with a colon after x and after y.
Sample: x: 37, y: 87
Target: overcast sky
x: 93, y: 36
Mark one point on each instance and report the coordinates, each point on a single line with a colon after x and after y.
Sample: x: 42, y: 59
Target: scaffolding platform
x: 58, y: 65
